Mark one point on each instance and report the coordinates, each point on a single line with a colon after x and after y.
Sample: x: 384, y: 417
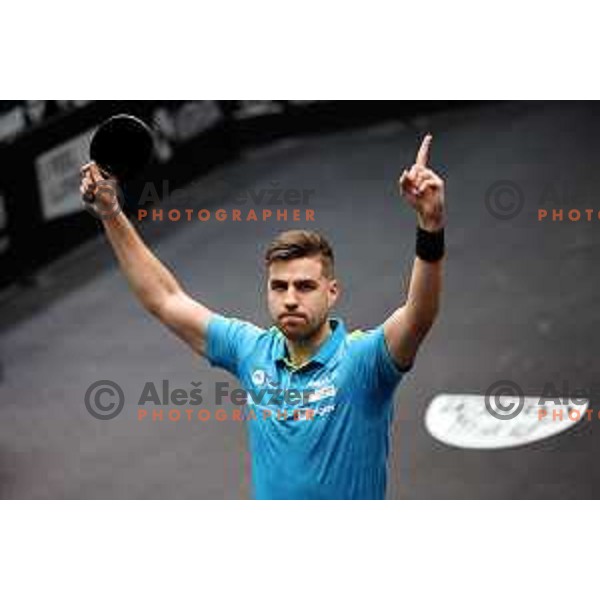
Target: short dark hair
x: 301, y: 243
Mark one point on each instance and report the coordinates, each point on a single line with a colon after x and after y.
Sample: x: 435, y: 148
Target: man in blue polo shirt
x: 329, y: 439
x: 320, y: 399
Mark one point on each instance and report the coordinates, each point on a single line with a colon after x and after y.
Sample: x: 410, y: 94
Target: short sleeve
x: 228, y: 341
x: 373, y: 363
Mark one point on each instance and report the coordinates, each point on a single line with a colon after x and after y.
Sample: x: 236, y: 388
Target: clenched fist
x: 99, y: 191
x: 424, y: 190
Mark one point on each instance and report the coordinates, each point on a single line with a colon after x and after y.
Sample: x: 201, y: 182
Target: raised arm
x: 406, y: 328
x: 152, y: 283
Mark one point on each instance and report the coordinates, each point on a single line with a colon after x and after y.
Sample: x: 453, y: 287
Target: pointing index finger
x: 423, y: 153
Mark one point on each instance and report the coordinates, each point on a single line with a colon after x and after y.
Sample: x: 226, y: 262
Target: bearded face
x: 300, y: 296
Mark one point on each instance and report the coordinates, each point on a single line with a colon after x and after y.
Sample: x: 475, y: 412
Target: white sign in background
x: 463, y: 421
x: 58, y: 176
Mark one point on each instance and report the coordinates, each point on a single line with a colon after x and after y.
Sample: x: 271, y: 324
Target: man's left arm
x: 406, y: 328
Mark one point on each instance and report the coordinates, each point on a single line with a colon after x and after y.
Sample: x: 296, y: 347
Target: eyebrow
x: 294, y: 282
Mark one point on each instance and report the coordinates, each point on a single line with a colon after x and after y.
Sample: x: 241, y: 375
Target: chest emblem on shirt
x: 258, y: 377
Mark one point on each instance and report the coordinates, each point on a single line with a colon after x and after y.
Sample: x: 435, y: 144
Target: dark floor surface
x: 520, y: 303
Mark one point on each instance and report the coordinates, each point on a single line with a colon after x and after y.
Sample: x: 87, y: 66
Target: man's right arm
x: 152, y: 283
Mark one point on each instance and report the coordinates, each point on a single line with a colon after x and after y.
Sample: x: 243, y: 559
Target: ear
x: 334, y: 291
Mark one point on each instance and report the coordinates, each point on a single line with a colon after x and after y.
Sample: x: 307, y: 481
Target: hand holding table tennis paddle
x: 119, y: 150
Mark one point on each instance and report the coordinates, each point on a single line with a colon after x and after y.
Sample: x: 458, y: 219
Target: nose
x: 290, y: 301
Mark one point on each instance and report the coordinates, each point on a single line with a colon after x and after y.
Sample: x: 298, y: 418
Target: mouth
x: 292, y: 317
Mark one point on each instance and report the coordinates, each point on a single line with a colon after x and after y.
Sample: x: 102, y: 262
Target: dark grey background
x: 519, y: 303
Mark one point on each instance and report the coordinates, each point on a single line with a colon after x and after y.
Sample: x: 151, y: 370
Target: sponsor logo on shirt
x: 324, y: 392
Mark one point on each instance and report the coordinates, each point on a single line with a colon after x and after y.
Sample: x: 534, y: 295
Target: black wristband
x: 430, y: 245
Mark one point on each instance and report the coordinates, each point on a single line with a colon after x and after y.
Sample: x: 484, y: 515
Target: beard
x: 302, y: 328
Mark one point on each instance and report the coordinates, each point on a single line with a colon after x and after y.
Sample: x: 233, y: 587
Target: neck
x: 300, y: 352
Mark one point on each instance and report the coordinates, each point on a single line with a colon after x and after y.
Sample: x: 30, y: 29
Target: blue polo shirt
x: 318, y: 431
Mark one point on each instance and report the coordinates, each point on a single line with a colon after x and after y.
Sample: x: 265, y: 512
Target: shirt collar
x: 326, y: 350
